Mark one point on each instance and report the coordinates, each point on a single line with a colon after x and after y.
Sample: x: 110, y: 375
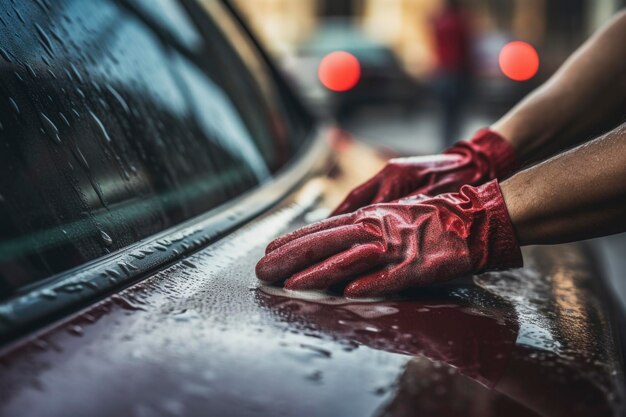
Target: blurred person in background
x: 429, y: 219
x: 452, y: 37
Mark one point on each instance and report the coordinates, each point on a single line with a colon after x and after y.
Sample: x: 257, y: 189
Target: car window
x: 288, y: 127
x: 172, y: 18
x: 117, y: 122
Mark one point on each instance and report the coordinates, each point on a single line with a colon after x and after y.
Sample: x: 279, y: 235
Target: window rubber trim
x: 77, y: 288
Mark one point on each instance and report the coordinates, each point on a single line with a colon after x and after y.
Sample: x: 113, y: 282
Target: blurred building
x: 405, y: 25
x: 280, y: 24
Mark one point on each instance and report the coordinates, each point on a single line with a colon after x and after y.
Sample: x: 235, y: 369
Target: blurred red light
x: 339, y: 71
x: 519, y: 61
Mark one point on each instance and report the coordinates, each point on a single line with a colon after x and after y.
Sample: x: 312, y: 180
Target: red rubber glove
x: 485, y: 157
x: 384, y: 248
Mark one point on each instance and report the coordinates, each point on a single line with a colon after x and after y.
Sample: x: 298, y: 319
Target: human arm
x: 387, y: 247
x: 585, y: 97
x: 576, y: 195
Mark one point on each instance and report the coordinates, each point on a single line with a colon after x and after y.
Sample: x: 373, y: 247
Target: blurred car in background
x: 382, y: 79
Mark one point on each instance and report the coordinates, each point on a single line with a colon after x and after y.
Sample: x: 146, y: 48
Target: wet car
x: 150, y: 151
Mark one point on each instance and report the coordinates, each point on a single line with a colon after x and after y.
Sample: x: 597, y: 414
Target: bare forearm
x: 585, y: 97
x: 577, y: 195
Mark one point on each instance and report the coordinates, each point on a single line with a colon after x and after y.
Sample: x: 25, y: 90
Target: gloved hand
x: 387, y: 247
x: 484, y: 157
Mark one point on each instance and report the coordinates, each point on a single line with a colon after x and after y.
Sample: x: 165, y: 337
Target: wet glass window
x: 173, y: 19
x: 119, y: 119
x: 289, y: 125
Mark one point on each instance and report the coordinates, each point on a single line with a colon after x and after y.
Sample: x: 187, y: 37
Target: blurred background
x: 428, y: 72
x: 412, y: 76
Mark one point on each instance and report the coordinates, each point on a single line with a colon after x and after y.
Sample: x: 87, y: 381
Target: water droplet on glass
x: 106, y: 238
x: 76, y: 73
x: 81, y: 158
x: 44, y: 39
x: 19, y: 15
x: 14, y: 106
x: 62, y: 116
x: 57, y: 37
x: 96, y: 86
x: 113, y: 273
x: 31, y: 71
x: 118, y: 98
x: 41, y: 4
x: 101, y: 128
x: 50, y: 128
x: 5, y: 55
x: 91, y: 285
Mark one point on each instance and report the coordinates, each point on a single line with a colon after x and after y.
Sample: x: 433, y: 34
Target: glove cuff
x: 498, y: 151
x: 500, y: 247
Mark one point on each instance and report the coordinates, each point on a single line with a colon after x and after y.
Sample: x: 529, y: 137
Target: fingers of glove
x: 386, y: 193
x: 308, y: 250
x: 326, y: 224
x: 359, y: 197
x: 381, y: 282
x: 338, y: 268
